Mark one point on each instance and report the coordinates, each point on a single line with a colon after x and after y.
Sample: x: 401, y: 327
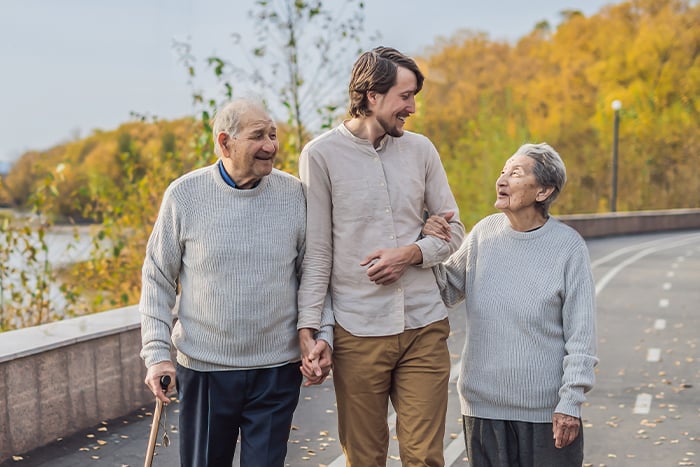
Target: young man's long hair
x: 376, y: 71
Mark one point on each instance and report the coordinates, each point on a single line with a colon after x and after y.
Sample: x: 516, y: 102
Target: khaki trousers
x: 413, y: 370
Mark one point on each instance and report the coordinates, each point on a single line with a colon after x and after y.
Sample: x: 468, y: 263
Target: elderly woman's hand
x: 565, y: 428
x: 439, y: 226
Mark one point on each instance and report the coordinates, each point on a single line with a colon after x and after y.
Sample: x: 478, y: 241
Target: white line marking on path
x: 643, y: 403
x: 663, y: 303
x: 660, y: 324
x: 666, y: 286
x: 454, y: 450
x: 454, y: 372
x: 653, y: 354
x: 603, y: 282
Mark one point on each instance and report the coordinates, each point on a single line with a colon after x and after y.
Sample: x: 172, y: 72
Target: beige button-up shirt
x: 359, y: 200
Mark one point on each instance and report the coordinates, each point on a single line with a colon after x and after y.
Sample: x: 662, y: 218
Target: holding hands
x: 316, y: 358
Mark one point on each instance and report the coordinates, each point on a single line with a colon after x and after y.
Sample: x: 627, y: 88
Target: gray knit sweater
x: 237, y: 255
x: 530, y: 299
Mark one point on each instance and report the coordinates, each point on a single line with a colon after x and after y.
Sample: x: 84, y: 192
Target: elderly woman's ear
x: 544, y: 193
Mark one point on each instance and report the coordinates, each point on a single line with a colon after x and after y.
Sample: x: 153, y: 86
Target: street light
x: 616, y: 106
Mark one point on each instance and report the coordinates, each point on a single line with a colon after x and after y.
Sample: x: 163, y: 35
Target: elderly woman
x: 530, y: 347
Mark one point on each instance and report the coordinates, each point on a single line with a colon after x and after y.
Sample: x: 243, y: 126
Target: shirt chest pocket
x: 353, y: 201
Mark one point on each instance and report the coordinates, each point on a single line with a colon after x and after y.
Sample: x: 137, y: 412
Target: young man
x: 232, y: 235
x: 368, y: 184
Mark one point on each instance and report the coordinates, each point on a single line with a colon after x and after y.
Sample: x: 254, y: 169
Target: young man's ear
x: 372, y: 97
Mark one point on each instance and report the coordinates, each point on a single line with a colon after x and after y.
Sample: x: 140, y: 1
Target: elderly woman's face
x: 516, y: 188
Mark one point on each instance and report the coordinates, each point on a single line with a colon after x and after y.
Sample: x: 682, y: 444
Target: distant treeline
x: 481, y: 100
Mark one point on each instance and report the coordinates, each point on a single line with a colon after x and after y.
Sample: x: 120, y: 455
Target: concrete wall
x: 63, y: 377
x: 623, y: 223
x: 59, y: 378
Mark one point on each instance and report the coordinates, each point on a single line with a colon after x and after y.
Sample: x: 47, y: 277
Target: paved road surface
x: 644, y: 411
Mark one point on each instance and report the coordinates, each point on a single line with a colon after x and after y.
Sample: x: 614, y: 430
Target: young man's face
x: 391, y: 109
x: 250, y: 155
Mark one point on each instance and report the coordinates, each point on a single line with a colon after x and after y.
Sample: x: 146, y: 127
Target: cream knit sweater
x: 530, y: 345
x: 237, y: 255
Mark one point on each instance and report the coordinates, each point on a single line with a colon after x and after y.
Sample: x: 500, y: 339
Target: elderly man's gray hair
x: 228, y: 119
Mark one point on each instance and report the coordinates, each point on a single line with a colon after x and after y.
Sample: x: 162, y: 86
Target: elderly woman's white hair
x: 549, y: 170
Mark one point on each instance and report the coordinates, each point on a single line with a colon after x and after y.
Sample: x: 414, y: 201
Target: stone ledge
x: 29, y: 341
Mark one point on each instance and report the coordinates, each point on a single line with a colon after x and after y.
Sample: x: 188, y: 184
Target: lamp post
x: 616, y: 106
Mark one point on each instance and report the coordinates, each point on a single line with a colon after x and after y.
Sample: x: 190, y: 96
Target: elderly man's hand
x: 320, y: 355
x: 315, y: 358
x: 565, y: 429
x: 153, y: 375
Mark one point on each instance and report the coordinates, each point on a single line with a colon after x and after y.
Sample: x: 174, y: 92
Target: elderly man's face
x: 250, y: 155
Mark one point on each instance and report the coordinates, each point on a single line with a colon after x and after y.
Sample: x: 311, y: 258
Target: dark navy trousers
x: 217, y: 406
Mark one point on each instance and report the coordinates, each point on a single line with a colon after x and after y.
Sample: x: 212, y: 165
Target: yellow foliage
x: 481, y: 100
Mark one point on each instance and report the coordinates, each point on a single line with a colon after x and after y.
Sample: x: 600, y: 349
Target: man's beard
x: 391, y: 130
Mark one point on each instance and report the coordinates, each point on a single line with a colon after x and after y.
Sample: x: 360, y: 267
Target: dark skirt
x: 505, y: 443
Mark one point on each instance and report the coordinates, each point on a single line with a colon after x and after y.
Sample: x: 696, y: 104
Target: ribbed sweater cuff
x: 568, y: 408
x: 326, y: 334
x: 157, y: 356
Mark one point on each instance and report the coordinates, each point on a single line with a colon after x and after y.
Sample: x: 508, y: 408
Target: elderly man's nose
x: 270, y: 145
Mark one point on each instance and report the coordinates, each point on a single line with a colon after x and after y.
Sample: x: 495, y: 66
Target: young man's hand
x: 386, y: 266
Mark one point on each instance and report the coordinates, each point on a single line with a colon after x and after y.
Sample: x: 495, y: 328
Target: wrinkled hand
x: 439, y: 226
x: 315, y: 358
x: 153, y: 375
x: 321, y: 354
x: 388, y: 265
x: 565, y: 429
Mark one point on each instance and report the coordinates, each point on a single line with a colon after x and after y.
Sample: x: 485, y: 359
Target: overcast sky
x: 70, y: 66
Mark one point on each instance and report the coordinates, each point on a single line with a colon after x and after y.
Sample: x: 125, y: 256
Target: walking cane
x: 164, y: 383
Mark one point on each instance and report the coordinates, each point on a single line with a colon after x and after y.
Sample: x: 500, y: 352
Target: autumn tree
x: 298, y: 59
x: 482, y: 99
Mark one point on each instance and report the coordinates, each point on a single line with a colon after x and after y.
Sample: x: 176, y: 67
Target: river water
x: 65, y: 245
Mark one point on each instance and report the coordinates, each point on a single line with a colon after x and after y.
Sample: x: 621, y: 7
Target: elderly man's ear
x: 222, y: 140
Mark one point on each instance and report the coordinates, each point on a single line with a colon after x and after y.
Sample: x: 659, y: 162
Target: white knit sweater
x: 530, y: 300
x: 237, y: 255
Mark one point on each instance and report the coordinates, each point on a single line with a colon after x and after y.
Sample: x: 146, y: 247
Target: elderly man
x: 232, y: 236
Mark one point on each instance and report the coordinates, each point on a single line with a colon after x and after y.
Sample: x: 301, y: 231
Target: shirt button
x: 391, y: 237
x: 381, y: 184
x: 386, y: 210
x: 399, y: 289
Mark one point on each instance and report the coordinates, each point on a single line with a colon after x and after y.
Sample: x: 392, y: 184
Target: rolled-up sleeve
x: 439, y: 200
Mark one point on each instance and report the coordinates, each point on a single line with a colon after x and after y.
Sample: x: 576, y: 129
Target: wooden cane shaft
x: 154, y: 434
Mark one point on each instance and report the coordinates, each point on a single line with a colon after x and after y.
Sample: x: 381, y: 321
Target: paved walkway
x: 117, y: 443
